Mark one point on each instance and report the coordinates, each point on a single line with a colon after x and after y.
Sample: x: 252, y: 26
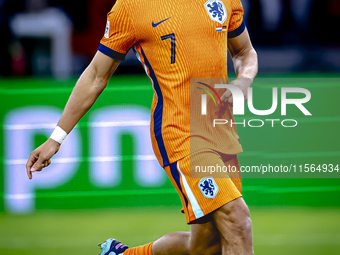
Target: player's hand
x: 41, y: 157
x: 243, y: 84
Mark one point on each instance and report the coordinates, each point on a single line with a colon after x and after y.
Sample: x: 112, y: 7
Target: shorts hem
x: 211, y: 209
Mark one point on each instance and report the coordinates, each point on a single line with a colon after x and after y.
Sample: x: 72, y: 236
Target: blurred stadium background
x: 105, y: 181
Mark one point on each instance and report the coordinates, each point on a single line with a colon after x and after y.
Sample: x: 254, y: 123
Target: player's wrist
x: 58, y: 135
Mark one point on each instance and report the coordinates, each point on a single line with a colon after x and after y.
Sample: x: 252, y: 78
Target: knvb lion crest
x: 216, y: 10
x: 208, y: 187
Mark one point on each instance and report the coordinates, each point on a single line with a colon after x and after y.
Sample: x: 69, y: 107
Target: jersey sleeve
x: 236, y: 23
x: 119, y: 34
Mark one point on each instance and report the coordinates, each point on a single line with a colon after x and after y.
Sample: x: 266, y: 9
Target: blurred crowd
x: 31, y: 28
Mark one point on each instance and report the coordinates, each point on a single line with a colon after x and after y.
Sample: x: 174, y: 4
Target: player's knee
x: 209, y: 249
x: 207, y: 244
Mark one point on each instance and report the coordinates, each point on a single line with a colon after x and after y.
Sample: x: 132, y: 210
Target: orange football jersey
x: 175, y: 41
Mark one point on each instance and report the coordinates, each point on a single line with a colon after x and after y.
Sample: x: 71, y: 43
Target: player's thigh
x: 233, y: 219
x: 205, y: 239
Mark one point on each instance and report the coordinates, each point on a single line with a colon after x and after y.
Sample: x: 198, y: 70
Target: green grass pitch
x: 295, y: 216
x: 277, y: 230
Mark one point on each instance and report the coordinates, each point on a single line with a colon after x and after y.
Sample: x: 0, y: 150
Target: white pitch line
x: 69, y: 160
x: 19, y: 196
x: 30, y: 126
x: 128, y: 123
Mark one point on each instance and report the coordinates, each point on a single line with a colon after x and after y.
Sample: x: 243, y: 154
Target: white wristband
x: 58, y: 135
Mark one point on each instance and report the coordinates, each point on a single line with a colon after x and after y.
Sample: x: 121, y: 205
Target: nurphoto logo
x: 239, y: 104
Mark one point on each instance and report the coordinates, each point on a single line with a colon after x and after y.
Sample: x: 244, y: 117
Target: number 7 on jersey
x: 173, y: 45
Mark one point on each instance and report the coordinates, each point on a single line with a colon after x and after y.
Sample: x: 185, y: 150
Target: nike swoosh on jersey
x: 156, y: 24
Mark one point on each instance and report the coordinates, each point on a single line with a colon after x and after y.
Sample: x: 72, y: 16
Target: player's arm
x: 245, y: 63
x: 88, y: 88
